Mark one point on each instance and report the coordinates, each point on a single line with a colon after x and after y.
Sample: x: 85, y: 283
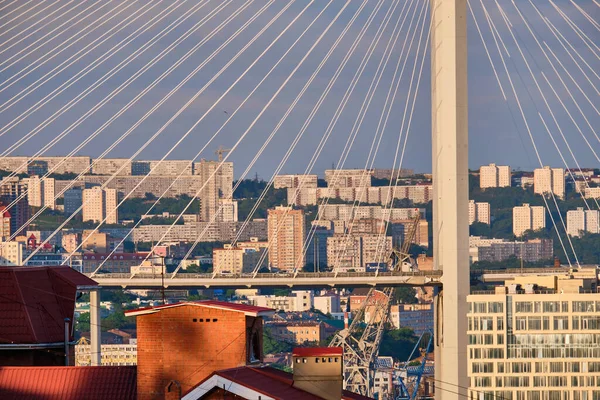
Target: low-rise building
x: 300, y: 300
x: 533, y: 250
x: 112, y: 263
x: 418, y: 317
x: 300, y: 332
x: 327, y: 304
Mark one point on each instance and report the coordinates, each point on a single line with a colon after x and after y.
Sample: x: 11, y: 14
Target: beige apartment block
x: 286, y: 238
x: 549, y: 180
x: 243, y: 257
x: 295, y: 181
x: 592, y: 193
x: 536, y: 338
x: 11, y: 253
x: 479, y: 212
x: 348, y: 212
x: 99, y: 204
x: 111, y: 166
x: 348, y: 178
x: 41, y: 192
x: 528, y: 217
x: 582, y: 221
x: 493, y: 176
x: 352, y: 252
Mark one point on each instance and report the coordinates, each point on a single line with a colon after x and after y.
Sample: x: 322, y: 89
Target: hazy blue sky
x: 36, y: 38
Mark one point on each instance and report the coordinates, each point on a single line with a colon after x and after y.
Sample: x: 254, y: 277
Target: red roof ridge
x: 247, y: 309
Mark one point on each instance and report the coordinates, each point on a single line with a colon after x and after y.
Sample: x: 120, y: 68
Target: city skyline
x: 498, y: 137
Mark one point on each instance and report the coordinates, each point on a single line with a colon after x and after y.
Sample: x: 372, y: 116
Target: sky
x: 294, y: 86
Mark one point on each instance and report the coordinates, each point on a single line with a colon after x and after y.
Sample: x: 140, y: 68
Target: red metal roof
x: 34, y: 302
x: 66, y: 383
x: 317, y: 351
x: 271, y: 382
x: 246, y: 309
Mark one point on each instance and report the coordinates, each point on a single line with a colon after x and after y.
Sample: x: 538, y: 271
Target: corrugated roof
x: 271, y: 382
x: 66, y: 383
x: 246, y: 309
x: 34, y: 302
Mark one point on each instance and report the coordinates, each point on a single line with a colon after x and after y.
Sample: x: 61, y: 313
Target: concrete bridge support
x: 451, y: 197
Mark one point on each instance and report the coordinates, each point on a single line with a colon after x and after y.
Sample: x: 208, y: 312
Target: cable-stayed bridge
x: 278, y: 81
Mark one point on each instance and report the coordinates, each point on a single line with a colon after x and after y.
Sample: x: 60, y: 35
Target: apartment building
x: 300, y: 332
x: 4, y: 222
x: 73, y: 199
x: 295, y: 181
x: 316, y: 250
x: 202, y: 231
x: 401, y: 227
x: 493, y: 176
x: 227, y: 210
x: 536, y: 337
x: 348, y: 212
x: 14, y: 191
x: 41, y: 192
x: 583, y: 221
x: 111, y: 166
x: 348, y: 178
x: 286, y: 238
x: 479, y: 212
x: 549, y: 180
x: 528, y: 217
x: 100, y: 204
x: 353, y: 252
x: 592, y: 193
x: 217, y: 183
x: 11, y: 253
x: 418, y: 194
x: 240, y: 258
x: 389, y: 173
x: 533, y: 250
x: 298, y: 301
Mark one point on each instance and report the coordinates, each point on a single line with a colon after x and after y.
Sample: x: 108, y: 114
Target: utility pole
x: 450, y: 147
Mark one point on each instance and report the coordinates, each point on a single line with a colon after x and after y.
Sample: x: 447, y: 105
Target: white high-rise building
x: 581, y: 220
x: 479, y: 212
x: 99, y: 204
x: 549, y: 180
x: 228, y: 210
x: 528, y: 217
x: 492, y: 176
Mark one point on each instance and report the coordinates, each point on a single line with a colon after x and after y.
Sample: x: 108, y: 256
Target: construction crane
x: 411, y: 375
x: 361, y: 340
x: 220, y: 151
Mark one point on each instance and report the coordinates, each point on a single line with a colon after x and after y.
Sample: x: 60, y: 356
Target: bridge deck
x: 301, y: 280
x: 307, y: 279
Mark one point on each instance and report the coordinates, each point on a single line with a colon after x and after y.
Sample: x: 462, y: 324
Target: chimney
x: 556, y: 262
x: 319, y: 371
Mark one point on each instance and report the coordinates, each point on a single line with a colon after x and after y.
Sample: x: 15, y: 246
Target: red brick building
x: 181, y: 344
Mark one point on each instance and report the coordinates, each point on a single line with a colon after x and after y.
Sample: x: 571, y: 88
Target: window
x: 523, y: 307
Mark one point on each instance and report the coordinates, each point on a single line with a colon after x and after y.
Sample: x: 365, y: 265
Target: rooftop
x: 66, y: 383
x: 34, y: 302
x: 252, y: 311
x: 251, y: 382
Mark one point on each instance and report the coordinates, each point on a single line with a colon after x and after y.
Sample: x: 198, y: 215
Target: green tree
x: 405, y: 295
x: 272, y: 346
x: 398, y: 343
